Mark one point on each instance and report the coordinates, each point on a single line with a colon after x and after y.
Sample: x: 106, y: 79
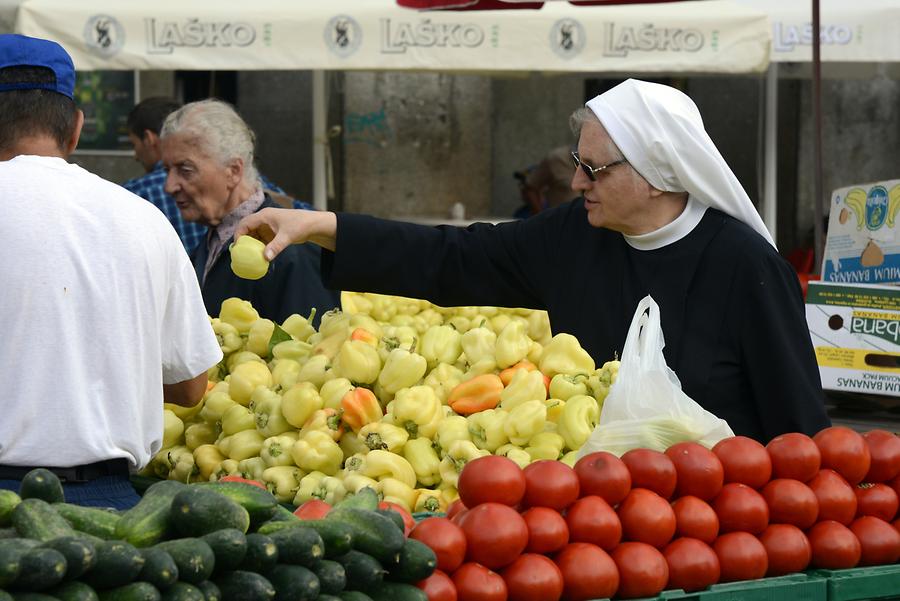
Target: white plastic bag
x: 646, y: 407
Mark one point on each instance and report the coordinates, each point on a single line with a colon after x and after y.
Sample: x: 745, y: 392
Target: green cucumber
x: 141, y: 483
x: 24, y: 596
x: 373, y: 533
x: 336, y: 535
x: 118, y: 563
x: 363, y: 571
x: 80, y: 554
x: 8, y: 502
x: 40, y: 569
x: 365, y: 498
x: 8, y: 533
x: 299, y: 546
x: 4, y: 596
x: 327, y: 597
x: 259, y: 503
x: 159, y: 568
x: 147, y: 522
x: 198, y: 511
x: 136, y: 591
x: 262, y: 553
x: 397, y: 591
x: 92, y: 520
x: 74, y: 591
x: 193, y: 556
x: 416, y: 562
x: 10, y: 562
x: 41, y: 483
x: 293, y: 583
x: 35, y: 518
x: 332, y: 577
x: 229, y: 545
x: 354, y: 596
x: 282, y: 514
x: 395, y: 518
x: 245, y: 586
x: 210, y: 591
x: 182, y: 591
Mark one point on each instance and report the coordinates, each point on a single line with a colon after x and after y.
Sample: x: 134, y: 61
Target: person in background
x: 661, y: 213
x: 144, y: 123
x: 207, y: 151
x: 546, y: 184
x: 102, y: 319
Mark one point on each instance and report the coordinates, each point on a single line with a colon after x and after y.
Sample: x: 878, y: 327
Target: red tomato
x: 459, y: 516
x: 837, y: 501
x: 878, y: 500
x: 592, y: 520
x: 651, y: 470
x: 787, y: 548
x: 884, y: 448
x: 741, y: 557
x: 643, y: 571
x: 693, y: 565
x: 878, y: 540
x: 844, y: 451
x: 438, y: 587
x: 491, y: 479
x: 694, y: 518
x: 533, y: 577
x: 550, y: 483
x: 408, y: 521
x: 791, y: 502
x: 445, y: 538
x: 834, y: 546
x: 588, y: 572
x: 699, y: 471
x: 646, y: 518
x: 794, y: 456
x: 242, y: 480
x: 605, y: 475
x: 495, y: 534
x: 740, y: 508
x: 454, y: 508
x: 547, y: 530
x: 314, y: 509
x: 474, y: 582
x: 744, y: 460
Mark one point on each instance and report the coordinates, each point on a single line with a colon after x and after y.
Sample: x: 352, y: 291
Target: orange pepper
x: 478, y: 394
x: 507, y: 374
x: 360, y: 407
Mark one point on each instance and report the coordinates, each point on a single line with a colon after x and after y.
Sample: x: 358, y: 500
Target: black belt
x: 76, y: 473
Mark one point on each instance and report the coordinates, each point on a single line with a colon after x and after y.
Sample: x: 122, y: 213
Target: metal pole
x: 770, y: 158
x: 320, y: 139
x: 819, y: 237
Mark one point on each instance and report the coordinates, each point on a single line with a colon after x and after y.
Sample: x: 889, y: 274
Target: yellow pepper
x: 315, y: 370
x: 546, y: 445
x: 441, y: 344
x: 449, y: 493
x: 184, y: 469
x: 516, y: 454
x: 401, y: 370
x: 282, y: 481
x: 324, y: 420
x: 299, y: 402
x: 602, y: 379
x: 351, y: 444
x: 297, y: 350
x: 432, y: 317
x: 199, y: 434
x: 479, y: 344
x: 578, y: 419
x: 186, y: 413
x: 499, y: 321
x: 355, y: 463
x: 333, y: 322
x: 402, y: 337
x: 488, y: 429
x: 443, y: 379
x: 228, y: 467
x: 451, y: 429
x: 317, y: 451
x: 285, y: 373
x: 570, y: 458
x: 419, y: 410
x: 424, y: 460
x: 247, y: 258
x: 554, y: 409
x: 384, y: 464
x: 276, y: 450
x: 241, y: 445
x: 429, y: 500
x: 485, y: 366
x: 300, y: 327
x: 459, y: 453
x: 328, y: 345
x: 538, y: 325
x: 239, y: 313
x: 316, y: 485
x: 251, y: 468
x: 463, y: 324
x: 513, y: 344
x: 360, y: 409
x: 384, y: 436
x: 524, y: 421
x: 266, y: 406
x: 361, y: 321
x: 564, y: 355
x: 215, y: 406
x: 227, y: 336
x: 208, y: 460
x: 475, y: 395
x: 236, y: 419
x: 334, y: 391
x: 564, y: 386
x: 525, y: 386
x: 173, y: 430
x: 259, y: 336
x: 355, y: 482
x: 536, y: 352
x: 358, y: 361
x: 245, y: 378
x: 401, y: 493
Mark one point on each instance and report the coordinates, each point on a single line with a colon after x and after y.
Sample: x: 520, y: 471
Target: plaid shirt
x: 151, y: 187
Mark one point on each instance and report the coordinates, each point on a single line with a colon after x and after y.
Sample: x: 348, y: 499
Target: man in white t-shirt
x: 101, y: 316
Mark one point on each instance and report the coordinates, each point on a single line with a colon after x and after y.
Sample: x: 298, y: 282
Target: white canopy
x: 716, y: 36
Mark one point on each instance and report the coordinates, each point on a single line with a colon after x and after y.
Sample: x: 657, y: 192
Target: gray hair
x: 219, y: 131
x: 583, y: 115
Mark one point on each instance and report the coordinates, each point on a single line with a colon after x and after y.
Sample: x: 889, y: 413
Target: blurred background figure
x: 547, y: 184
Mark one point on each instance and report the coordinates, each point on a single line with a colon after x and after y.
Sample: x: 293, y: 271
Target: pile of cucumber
x: 209, y: 541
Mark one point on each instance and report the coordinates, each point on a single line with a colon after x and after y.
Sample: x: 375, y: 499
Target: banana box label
x: 855, y: 330
x: 863, y: 243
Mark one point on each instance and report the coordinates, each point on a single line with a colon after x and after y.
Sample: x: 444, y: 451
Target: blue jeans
x: 114, y: 492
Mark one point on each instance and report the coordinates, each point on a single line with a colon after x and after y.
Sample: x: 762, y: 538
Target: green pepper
x: 459, y: 453
x: 199, y: 434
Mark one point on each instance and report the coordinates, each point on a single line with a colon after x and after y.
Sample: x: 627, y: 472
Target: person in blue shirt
x: 144, y: 123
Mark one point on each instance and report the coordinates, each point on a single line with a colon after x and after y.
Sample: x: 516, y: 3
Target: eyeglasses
x: 592, y: 171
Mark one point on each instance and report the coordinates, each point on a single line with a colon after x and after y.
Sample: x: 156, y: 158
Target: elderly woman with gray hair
x: 208, y: 151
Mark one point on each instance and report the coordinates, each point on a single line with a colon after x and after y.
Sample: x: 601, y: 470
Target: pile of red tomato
x: 684, y: 519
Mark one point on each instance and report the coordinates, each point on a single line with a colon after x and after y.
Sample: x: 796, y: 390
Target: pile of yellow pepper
x: 392, y: 393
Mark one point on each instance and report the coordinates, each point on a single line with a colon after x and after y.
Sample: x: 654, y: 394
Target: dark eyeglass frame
x: 592, y: 171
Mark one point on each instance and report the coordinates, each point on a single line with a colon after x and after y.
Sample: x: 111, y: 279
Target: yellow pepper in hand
x: 317, y: 451
x: 282, y: 481
x: 525, y: 386
x: 239, y: 313
x: 360, y: 408
x: 578, y: 419
x: 512, y: 345
x: 478, y: 394
x: 443, y: 379
x: 245, y: 378
x: 247, y: 258
x: 441, y: 344
x: 418, y: 410
x: 564, y: 355
x: 384, y: 464
x: 383, y: 436
x: 524, y: 421
x: 424, y: 460
x: 276, y: 450
x: 401, y: 370
x: 459, y: 453
x: 358, y: 361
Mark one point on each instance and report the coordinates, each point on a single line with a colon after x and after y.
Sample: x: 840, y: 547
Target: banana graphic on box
x: 856, y: 200
x: 893, y: 204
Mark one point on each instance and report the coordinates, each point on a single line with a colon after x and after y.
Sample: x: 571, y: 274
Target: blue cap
x: 22, y: 51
